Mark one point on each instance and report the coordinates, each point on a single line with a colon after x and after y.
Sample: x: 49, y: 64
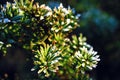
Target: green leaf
x: 18, y: 17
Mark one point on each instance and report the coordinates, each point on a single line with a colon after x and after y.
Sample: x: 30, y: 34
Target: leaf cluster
x: 44, y: 32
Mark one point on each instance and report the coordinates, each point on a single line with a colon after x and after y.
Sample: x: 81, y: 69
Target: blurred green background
x: 100, y: 23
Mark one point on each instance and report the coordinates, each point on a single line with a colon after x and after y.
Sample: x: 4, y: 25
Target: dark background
x: 100, y: 23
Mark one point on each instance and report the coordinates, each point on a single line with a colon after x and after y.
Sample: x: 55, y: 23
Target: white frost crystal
x: 68, y: 21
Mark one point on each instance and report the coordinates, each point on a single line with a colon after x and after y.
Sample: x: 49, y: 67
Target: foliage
x: 46, y: 33
x: 100, y: 23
